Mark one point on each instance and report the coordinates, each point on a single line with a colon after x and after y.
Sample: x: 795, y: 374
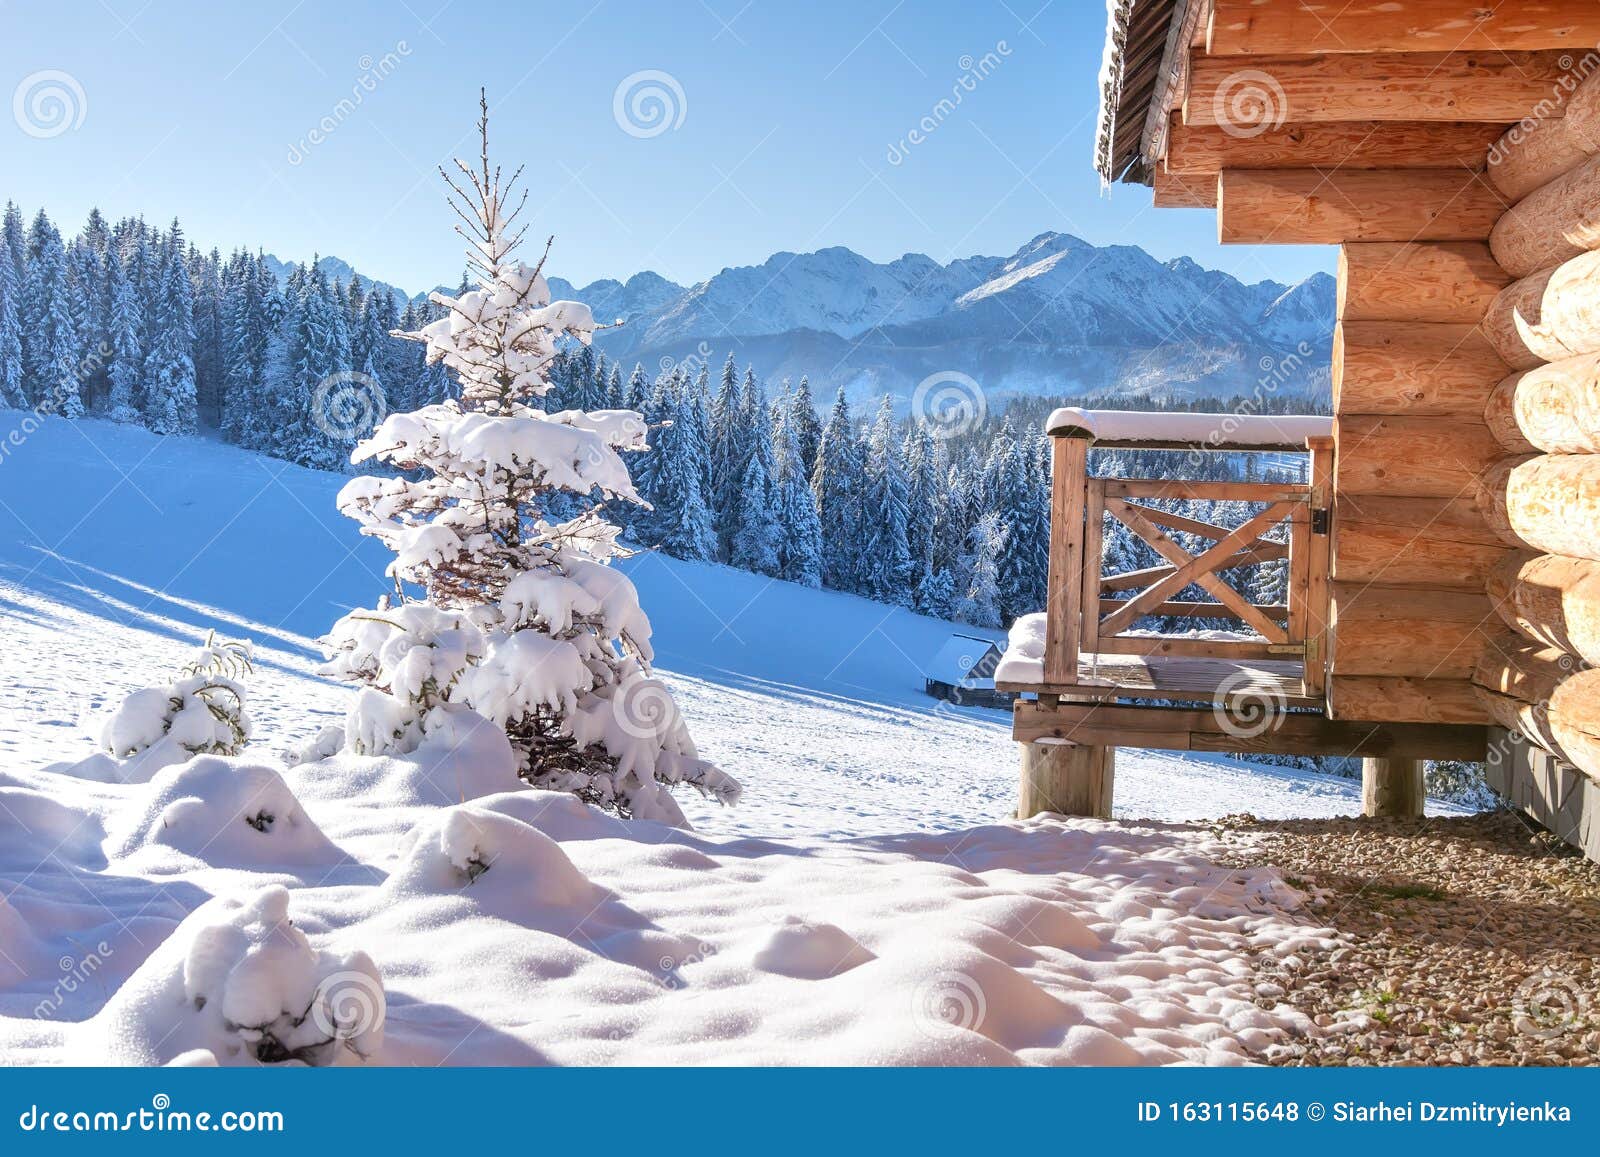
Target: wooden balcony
x: 1097, y: 677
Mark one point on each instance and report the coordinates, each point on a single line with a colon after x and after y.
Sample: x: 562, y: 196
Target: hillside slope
x: 118, y: 549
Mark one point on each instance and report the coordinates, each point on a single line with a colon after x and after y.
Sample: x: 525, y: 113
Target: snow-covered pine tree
x: 885, y: 555
x: 922, y: 503
x: 800, y: 547
x: 1023, y: 510
x: 521, y: 621
x: 807, y: 426
x: 729, y: 454
x: 317, y: 347
x: 49, y: 337
x: 836, y: 485
x: 85, y: 290
x: 680, y: 522
x: 126, y: 328
x: 169, y: 396
x: 13, y: 240
x: 986, y: 543
x: 756, y: 540
x: 11, y: 393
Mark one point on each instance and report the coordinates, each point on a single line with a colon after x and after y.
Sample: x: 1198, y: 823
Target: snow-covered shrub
x: 521, y: 619
x: 237, y: 979
x: 202, y: 711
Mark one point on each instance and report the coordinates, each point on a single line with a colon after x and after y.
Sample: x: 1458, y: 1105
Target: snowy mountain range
x: 1058, y: 317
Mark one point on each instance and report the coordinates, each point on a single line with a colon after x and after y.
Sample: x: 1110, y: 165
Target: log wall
x: 1414, y: 370
x: 1541, y: 495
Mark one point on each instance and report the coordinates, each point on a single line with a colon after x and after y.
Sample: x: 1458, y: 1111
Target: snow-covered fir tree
x: 836, y: 485
x: 886, y: 573
x: 521, y: 620
x: 11, y: 388
x: 168, y: 380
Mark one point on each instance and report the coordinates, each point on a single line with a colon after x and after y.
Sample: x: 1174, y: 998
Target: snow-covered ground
x: 868, y: 901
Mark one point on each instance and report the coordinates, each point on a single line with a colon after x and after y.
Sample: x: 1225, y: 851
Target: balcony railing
x: 1092, y: 642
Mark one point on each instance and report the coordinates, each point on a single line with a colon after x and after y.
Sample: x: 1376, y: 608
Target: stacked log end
x: 1541, y: 496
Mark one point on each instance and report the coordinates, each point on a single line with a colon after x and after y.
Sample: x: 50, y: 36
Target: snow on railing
x: 1185, y: 431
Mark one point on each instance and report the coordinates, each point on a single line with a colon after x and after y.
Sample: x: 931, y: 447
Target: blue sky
x: 788, y: 128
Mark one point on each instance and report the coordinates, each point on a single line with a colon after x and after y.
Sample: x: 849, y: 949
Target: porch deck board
x: 1188, y: 678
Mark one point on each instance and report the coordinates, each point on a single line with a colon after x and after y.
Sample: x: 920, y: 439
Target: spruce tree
x: 835, y: 483
x: 680, y: 522
x: 807, y: 426
x: 986, y: 545
x: 49, y: 337
x: 522, y: 622
x: 886, y: 554
x: 169, y: 365
x: 126, y: 326
x: 11, y: 392
x: 755, y: 539
x: 800, y: 544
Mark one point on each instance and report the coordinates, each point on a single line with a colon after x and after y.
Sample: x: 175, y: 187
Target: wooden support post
x: 1063, y: 599
x: 1392, y: 788
x: 1067, y: 779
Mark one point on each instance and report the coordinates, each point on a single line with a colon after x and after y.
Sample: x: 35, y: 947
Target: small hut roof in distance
x: 959, y: 655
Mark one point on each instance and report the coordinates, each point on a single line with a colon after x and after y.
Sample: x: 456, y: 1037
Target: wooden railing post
x: 1064, y: 602
x: 1318, y: 563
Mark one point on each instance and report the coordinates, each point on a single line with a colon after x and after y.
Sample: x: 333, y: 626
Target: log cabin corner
x: 1444, y: 552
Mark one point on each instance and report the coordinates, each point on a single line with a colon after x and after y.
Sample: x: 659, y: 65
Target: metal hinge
x: 1286, y: 648
x: 1319, y: 520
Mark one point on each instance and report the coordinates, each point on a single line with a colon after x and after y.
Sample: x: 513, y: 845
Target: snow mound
x: 23, y: 954
x: 238, y: 980
x: 140, y: 767
x: 809, y: 951
x: 228, y: 812
x: 462, y: 757
x: 503, y: 861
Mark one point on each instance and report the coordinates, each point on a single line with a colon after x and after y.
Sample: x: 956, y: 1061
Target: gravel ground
x: 1470, y: 941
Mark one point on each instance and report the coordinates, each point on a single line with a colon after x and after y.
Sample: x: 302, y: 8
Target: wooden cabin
x: 1445, y: 554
